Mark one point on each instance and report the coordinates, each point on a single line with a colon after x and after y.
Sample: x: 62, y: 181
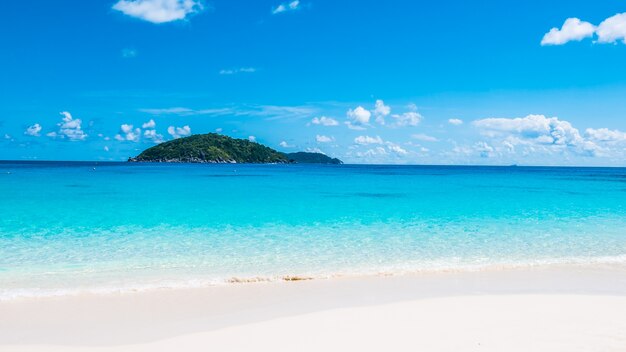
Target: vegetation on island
x: 312, y: 158
x: 217, y: 148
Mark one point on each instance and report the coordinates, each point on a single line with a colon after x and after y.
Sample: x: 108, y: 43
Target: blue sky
x: 410, y: 82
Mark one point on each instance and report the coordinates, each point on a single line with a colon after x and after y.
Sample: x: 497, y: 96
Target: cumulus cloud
x: 605, y: 135
x: 252, y: 138
x: 149, y: 124
x: 33, y: 130
x: 178, y: 132
x: 233, y: 71
x: 286, y: 7
x: 69, y: 128
x: 159, y: 11
x: 410, y: 118
x: 572, y: 29
x: 538, y: 129
x: 153, y: 136
x: 364, y: 140
x: 381, y: 111
x: 323, y: 139
x: 394, y: 148
x: 374, y: 152
x: 424, y: 137
x: 612, y: 29
x: 128, y: 133
x: 325, y: 121
x: 484, y: 149
x: 284, y: 144
x: 455, y: 122
x: 358, y: 117
x: 151, y: 133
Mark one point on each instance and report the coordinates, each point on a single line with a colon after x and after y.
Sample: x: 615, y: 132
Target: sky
x: 381, y: 82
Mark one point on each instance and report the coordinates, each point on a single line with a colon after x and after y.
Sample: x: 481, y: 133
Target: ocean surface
x: 67, y: 228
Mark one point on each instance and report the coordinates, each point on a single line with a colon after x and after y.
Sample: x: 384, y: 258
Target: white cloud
x: 151, y: 133
x: 106, y: 148
x: 396, y: 149
x: 233, y: 71
x: 455, y: 122
x: 287, y: 6
x: 284, y: 144
x: 252, y: 138
x: 69, y: 128
x: 33, y: 130
x: 605, y: 135
x: 323, y: 139
x: 7, y: 136
x: 424, y: 137
x: 352, y: 126
x: 314, y: 150
x: 539, y: 130
x: 324, y: 121
x: 378, y: 151
x: 153, y: 136
x: 364, y: 140
x: 128, y: 133
x: 410, y: 118
x: 178, y: 132
x: 484, y: 149
x: 149, y: 124
x: 359, y: 116
x: 381, y: 111
x: 572, y: 29
x: 612, y: 29
x: 537, y: 127
x: 159, y: 11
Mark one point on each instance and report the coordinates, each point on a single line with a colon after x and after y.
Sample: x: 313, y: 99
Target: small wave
x: 9, y: 294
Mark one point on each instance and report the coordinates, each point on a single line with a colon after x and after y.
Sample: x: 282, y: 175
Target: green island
x: 217, y: 148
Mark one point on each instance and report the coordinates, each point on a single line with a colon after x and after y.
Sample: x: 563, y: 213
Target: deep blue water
x: 66, y: 227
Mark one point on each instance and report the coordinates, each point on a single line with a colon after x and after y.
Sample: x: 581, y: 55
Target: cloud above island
x: 178, y: 132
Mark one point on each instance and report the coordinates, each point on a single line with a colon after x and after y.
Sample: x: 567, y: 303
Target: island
x: 312, y: 158
x: 217, y: 148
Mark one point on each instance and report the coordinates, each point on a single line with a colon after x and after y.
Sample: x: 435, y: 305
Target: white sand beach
x: 541, y: 309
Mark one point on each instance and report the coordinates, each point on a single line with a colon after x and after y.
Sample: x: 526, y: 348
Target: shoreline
x: 18, y: 294
x: 151, y: 319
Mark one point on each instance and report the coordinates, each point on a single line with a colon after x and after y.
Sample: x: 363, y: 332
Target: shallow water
x: 73, y: 227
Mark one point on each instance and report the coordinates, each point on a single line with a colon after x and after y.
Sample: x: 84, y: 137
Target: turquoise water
x: 74, y: 227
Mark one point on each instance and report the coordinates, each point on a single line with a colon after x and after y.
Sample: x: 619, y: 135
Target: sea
x: 85, y: 227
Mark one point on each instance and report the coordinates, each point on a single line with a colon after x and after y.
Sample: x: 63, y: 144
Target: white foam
x: 9, y: 294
